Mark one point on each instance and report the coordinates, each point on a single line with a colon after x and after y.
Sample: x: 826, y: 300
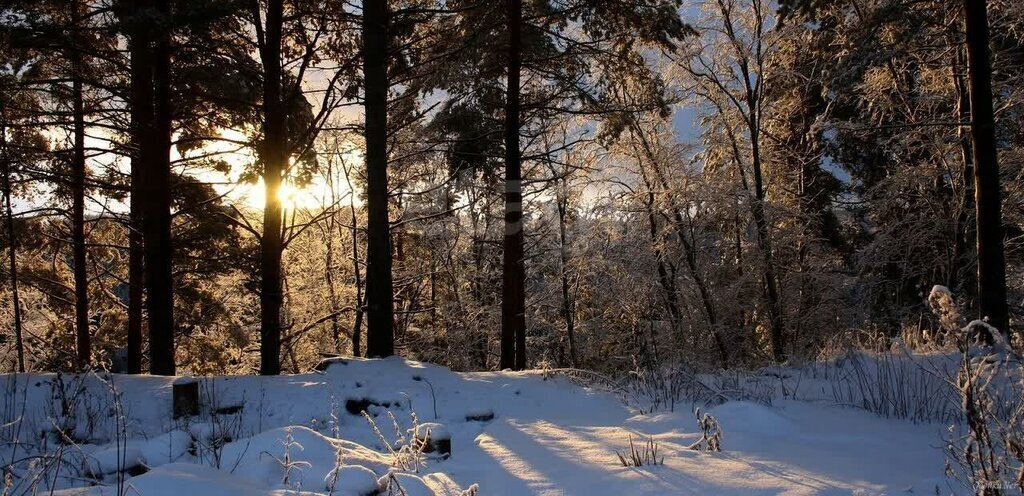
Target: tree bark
x: 771, y: 287
x: 513, y: 301
x: 142, y: 128
x: 379, y: 286
x: 332, y: 294
x: 274, y: 156
x: 78, y: 172
x: 135, y: 277
x: 960, y: 279
x: 141, y: 109
x: 157, y: 197
x: 357, y: 325
x: 752, y: 94
x: 567, y: 302
x: 991, y: 260
x: 19, y: 342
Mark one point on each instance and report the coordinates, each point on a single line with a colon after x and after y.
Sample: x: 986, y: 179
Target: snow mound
x: 351, y: 480
x: 407, y: 484
x: 165, y: 448
x: 111, y: 460
x: 176, y: 479
x: 433, y: 430
x: 745, y: 416
x: 294, y: 456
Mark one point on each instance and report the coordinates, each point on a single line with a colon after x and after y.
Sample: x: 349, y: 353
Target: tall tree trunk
x: 752, y: 99
x: 481, y: 340
x: 991, y: 261
x: 142, y: 130
x: 513, y: 297
x: 771, y: 284
x: 274, y: 155
x: 666, y: 270
x: 135, y: 270
x: 19, y: 342
x: 567, y: 303
x: 332, y: 294
x: 380, y: 306
x: 78, y: 172
x: 157, y: 197
x: 357, y: 325
x: 960, y: 279
x: 141, y: 108
x: 433, y: 292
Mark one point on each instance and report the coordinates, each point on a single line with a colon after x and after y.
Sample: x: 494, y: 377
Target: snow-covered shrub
x: 214, y: 428
x: 711, y: 433
x: 72, y: 413
x: 988, y: 451
x: 433, y: 438
x: 405, y: 454
x: 642, y: 456
x: 289, y: 464
x: 664, y: 388
x: 12, y: 412
x: 660, y: 387
x: 894, y: 384
x: 652, y: 388
x: 210, y: 435
x: 58, y: 443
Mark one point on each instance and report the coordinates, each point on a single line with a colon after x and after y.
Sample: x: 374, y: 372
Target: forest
x: 600, y: 189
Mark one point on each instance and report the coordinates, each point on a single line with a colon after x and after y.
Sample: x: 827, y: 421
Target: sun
x: 319, y: 193
x: 315, y: 195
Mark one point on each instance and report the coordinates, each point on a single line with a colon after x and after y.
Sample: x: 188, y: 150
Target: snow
x: 354, y: 480
x: 190, y: 479
x: 433, y: 430
x: 165, y: 448
x: 548, y: 436
x: 268, y: 457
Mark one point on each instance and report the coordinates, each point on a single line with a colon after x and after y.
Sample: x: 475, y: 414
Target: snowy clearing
x: 511, y: 434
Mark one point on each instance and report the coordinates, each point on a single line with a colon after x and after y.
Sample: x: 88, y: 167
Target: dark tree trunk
x: 752, y: 94
x: 156, y: 230
x: 513, y: 297
x: 771, y: 285
x: 19, y: 342
x: 78, y: 172
x: 961, y: 281
x: 357, y: 326
x: 142, y: 129
x: 274, y: 156
x: 433, y: 292
x: 135, y: 272
x: 332, y: 294
x: 666, y: 270
x: 379, y: 287
x: 567, y: 303
x: 991, y: 261
x: 141, y: 107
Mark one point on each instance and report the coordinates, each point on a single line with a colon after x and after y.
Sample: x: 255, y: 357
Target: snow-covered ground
x: 511, y: 434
